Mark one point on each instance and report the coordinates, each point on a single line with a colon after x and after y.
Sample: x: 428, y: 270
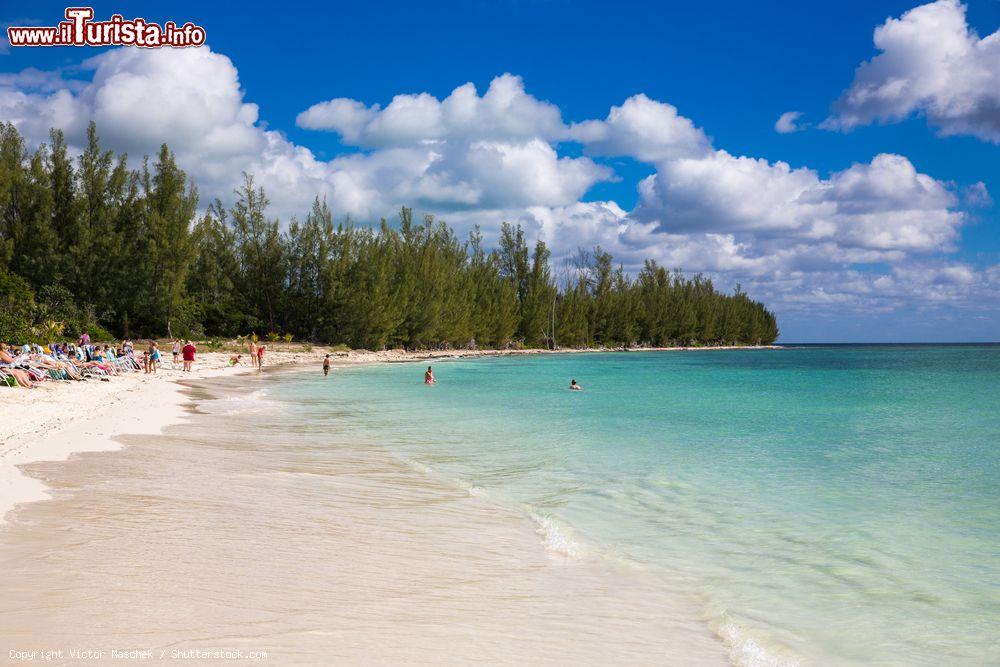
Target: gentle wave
x: 557, y: 538
x: 747, y: 648
x: 254, y: 402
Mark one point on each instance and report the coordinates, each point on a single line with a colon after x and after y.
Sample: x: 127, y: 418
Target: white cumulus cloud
x: 505, y: 112
x: 933, y: 63
x: 645, y: 129
x: 882, y: 205
x: 465, y: 151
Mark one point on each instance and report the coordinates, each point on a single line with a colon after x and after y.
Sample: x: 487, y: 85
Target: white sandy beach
x: 58, y: 419
x: 399, y: 538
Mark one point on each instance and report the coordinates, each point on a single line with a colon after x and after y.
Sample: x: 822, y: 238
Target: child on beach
x: 260, y: 357
x: 236, y: 360
x: 429, y: 376
x: 326, y: 365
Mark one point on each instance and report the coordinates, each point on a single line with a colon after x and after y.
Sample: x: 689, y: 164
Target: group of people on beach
x: 182, y: 352
x: 29, y: 364
x: 256, y: 353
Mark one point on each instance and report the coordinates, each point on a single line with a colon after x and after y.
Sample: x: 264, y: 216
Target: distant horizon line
x: 974, y: 342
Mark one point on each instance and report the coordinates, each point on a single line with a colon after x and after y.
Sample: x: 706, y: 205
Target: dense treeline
x: 90, y: 243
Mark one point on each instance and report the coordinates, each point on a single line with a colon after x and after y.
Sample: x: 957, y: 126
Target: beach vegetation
x: 92, y: 243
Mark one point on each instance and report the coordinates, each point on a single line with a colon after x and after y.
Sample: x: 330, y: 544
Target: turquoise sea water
x: 824, y: 505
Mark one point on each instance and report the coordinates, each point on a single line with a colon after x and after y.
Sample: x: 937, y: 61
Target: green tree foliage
x: 17, y: 307
x: 88, y: 241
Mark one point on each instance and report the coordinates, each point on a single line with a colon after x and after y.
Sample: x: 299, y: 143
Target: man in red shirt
x: 188, y: 352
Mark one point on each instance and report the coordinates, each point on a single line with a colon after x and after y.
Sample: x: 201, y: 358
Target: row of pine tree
x: 89, y: 242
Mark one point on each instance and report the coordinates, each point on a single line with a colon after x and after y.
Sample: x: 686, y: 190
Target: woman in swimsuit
x: 154, y: 357
x: 429, y: 376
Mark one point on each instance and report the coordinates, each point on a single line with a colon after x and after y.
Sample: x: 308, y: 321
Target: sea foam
x: 558, y: 538
x: 748, y: 650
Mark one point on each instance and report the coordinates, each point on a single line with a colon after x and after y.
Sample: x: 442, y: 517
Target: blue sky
x: 731, y: 68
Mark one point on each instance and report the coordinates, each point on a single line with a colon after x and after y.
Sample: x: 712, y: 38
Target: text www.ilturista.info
x: 80, y: 30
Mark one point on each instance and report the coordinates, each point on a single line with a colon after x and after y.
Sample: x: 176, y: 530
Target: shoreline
x: 212, y: 520
x: 60, y: 419
x: 138, y: 405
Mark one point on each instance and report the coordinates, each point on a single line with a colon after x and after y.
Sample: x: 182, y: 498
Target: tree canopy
x: 90, y: 243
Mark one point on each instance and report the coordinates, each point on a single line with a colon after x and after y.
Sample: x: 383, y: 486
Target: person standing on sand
x: 177, y: 353
x: 429, y: 376
x: 188, y: 352
x: 154, y: 357
x: 252, y: 349
x: 326, y: 365
x: 260, y: 357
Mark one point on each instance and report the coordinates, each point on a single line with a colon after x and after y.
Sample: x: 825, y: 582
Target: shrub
x: 17, y: 308
x: 49, y: 330
x: 99, y: 333
x: 214, y: 344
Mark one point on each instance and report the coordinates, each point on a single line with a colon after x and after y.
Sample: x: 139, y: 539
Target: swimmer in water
x: 429, y: 376
x: 574, y: 386
x: 326, y: 365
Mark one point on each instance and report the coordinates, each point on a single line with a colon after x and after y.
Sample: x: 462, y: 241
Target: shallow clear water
x: 825, y: 505
x: 262, y: 526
